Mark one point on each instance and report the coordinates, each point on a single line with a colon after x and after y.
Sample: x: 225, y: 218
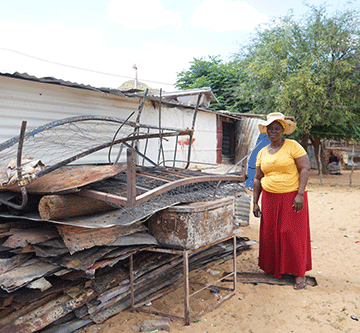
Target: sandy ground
x: 331, y: 306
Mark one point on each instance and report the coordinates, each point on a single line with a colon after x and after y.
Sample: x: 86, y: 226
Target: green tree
x: 221, y: 77
x: 309, y: 69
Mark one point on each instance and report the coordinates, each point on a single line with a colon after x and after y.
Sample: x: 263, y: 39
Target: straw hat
x: 288, y: 125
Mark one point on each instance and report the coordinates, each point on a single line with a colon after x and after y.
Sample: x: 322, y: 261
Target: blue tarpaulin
x: 252, y: 159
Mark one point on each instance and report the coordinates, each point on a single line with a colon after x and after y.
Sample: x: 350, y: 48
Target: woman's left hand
x: 298, y: 203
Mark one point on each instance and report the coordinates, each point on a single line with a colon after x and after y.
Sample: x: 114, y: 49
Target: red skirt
x: 285, y: 245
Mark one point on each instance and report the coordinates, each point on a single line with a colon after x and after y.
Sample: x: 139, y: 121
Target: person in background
x: 334, y: 165
x: 282, y: 171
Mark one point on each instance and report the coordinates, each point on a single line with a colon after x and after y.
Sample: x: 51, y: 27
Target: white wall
x: 40, y: 103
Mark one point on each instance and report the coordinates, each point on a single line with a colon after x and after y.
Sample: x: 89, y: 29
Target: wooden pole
x: 320, y: 165
x: 352, y: 163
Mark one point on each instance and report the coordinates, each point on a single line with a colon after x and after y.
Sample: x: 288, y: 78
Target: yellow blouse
x: 280, y: 171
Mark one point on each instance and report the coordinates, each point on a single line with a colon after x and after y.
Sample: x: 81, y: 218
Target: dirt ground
x: 331, y: 306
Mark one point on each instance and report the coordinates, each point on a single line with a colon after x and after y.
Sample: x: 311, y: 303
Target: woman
x: 282, y: 171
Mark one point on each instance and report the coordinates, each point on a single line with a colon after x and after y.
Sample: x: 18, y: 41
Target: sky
x: 99, y: 42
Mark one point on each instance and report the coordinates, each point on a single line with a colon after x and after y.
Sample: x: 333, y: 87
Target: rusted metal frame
x: 180, y: 252
x: 207, y: 285
x: 213, y: 285
x: 161, y: 148
x: 212, y: 306
x: 152, y: 176
x: 193, y: 126
x: 158, y: 313
x: 116, y: 133
x: 56, y: 123
x: 24, y: 195
x: 167, y: 187
x: 234, y: 263
x: 107, y: 197
x: 145, y: 148
x: 185, y: 253
x: 141, y: 154
x: 175, y: 151
x: 137, y: 126
x: 159, y: 295
x: 231, y: 293
x: 105, y: 145
x: 186, y: 287
x: 131, y: 178
x: 118, y: 200
x: 175, y: 173
x: 131, y: 259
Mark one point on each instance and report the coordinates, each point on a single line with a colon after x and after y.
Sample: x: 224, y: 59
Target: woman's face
x: 274, y: 131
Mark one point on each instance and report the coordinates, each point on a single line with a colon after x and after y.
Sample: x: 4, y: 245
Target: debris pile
x: 52, y: 274
x: 67, y: 230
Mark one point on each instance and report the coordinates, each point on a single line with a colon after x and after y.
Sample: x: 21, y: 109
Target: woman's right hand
x: 256, y: 210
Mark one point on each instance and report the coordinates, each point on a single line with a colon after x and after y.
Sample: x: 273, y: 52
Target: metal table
x: 185, y: 254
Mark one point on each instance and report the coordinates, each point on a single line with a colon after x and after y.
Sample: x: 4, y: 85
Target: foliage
x: 221, y: 77
x: 309, y: 69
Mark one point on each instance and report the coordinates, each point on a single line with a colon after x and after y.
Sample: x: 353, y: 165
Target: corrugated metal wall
x: 247, y: 132
x: 40, y: 103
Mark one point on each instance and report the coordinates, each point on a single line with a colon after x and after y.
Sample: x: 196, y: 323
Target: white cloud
x: 43, y: 50
x: 227, y: 15
x: 142, y: 14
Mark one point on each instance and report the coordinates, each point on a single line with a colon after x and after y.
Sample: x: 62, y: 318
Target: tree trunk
x: 57, y: 206
x: 316, y: 143
x: 304, y: 140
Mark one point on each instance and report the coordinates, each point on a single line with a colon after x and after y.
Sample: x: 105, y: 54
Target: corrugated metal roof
x: 167, y: 98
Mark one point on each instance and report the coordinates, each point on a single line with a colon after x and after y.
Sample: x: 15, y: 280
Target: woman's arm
x: 256, y: 191
x: 303, y: 166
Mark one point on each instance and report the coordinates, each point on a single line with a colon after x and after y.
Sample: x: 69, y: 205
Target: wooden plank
x: 69, y: 178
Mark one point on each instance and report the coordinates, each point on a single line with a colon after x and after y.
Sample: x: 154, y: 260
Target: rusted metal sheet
x: 70, y: 178
x: 77, y: 238
x: 48, y: 313
x: 24, y: 274
x: 194, y: 225
x: 82, y: 260
x: 24, y: 237
x: 51, y: 248
x: 138, y: 238
x: 6, y: 264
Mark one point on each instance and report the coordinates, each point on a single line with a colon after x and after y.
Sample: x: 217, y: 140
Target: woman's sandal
x: 301, y: 285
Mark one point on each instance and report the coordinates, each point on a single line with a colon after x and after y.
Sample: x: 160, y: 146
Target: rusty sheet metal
x: 51, y: 248
x: 24, y: 237
x: 77, y: 238
x: 70, y: 178
x: 194, y: 225
x: 24, y: 274
x: 5, y: 300
x: 109, y: 280
x: 67, y: 325
x: 82, y: 260
x: 41, y: 284
x: 48, y: 313
x: 6, y: 264
x: 138, y: 238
